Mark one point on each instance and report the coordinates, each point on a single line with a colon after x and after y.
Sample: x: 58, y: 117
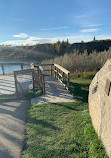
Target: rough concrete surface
x: 7, y: 83
x: 12, y: 121
x: 55, y: 92
x: 100, y: 105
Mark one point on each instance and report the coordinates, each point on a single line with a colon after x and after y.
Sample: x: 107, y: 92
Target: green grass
x: 63, y: 130
x: 32, y: 94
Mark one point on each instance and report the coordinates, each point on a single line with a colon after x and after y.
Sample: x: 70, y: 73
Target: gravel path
x: 12, y: 121
x: 55, y: 92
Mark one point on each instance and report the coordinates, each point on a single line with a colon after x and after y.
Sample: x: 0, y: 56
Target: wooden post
x: 54, y: 71
x: 33, y: 81
x: 16, y: 84
x: 43, y: 84
x: 63, y: 77
x: 3, y: 70
x: 51, y: 70
x: 68, y: 84
x: 21, y: 66
x: 57, y: 73
x: 38, y: 72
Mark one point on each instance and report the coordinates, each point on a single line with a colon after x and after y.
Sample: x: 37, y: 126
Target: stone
x: 100, y: 105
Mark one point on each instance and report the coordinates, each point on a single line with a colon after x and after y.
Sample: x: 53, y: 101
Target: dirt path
x: 55, y: 92
x: 12, y: 121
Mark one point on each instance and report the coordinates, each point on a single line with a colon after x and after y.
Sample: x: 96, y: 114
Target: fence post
x: 21, y: 66
x: 43, y: 84
x: 16, y: 84
x: 55, y: 71
x: 63, y: 77
x: 3, y: 70
x: 51, y: 70
x: 68, y: 84
x: 33, y: 78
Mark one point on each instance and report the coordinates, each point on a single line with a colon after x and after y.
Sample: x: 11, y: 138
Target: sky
x: 29, y: 22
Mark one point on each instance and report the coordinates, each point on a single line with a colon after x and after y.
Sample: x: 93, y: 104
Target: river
x: 10, y: 68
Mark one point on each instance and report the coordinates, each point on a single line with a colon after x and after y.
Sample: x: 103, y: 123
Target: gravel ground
x: 55, y: 92
x: 12, y: 121
x: 7, y: 83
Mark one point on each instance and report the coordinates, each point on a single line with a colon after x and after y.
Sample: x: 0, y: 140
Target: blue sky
x: 40, y: 21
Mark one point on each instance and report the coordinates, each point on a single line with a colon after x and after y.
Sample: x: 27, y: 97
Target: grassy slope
x: 63, y: 130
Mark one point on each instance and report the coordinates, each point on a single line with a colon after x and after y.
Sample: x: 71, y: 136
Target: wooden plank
x: 23, y: 72
x: 68, y: 83
x: 16, y: 89
x: 108, y: 86
x: 20, y: 87
x: 43, y: 83
x: 3, y: 69
x: 41, y: 70
x: 51, y: 70
x: 62, y: 69
x: 14, y: 63
x: 59, y: 74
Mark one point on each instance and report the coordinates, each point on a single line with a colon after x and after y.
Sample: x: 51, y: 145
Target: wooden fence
x: 59, y: 72
x: 38, y: 75
x: 62, y: 74
x: 9, y: 64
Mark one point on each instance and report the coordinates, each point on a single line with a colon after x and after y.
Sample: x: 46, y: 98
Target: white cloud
x: 21, y: 35
x: 93, y: 25
x: 90, y: 30
x: 72, y: 39
x: 81, y: 16
x: 56, y: 28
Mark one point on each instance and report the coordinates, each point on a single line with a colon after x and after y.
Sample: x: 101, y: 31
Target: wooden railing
x: 62, y: 74
x: 48, y: 69
x: 22, y: 72
x: 59, y: 72
x: 40, y: 76
x: 5, y: 64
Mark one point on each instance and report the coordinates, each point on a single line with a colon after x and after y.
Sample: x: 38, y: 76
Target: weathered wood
x: 61, y: 72
x: 20, y: 87
x: 22, y: 72
x: 51, y: 70
x: 33, y: 81
x: 14, y: 63
x: 46, y: 64
x: 21, y: 66
x: 43, y: 84
x: 42, y: 71
x: 16, y: 89
x: 62, y: 69
x: 68, y: 83
x: 3, y: 69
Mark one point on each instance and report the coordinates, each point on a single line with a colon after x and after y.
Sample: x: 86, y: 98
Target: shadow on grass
x: 79, y: 91
x: 43, y: 123
x: 70, y: 106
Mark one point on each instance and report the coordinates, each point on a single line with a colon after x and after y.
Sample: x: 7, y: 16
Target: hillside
x: 40, y: 52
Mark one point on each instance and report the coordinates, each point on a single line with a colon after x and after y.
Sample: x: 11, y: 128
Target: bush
x: 32, y: 94
x: 82, y: 62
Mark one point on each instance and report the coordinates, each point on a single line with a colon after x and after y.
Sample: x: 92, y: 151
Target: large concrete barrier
x: 100, y: 105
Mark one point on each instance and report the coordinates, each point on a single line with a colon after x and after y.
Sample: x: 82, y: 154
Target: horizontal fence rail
x: 49, y: 69
x: 12, y: 64
x: 22, y: 72
x: 60, y: 72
